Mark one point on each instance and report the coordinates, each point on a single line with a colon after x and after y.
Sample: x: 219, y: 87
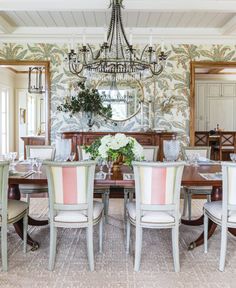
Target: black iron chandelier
x: 116, y: 55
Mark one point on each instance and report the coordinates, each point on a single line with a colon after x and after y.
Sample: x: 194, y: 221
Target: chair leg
x: 25, y: 228
x: 106, y: 207
x: 127, y: 236
x: 101, y: 234
x: 138, y: 247
x: 53, y: 242
x: 126, y: 193
x: 175, y: 247
x: 205, y: 232
x: 4, y: 247
x: 131, y: 194
x: 90, y: 247
x: 189, y: 195
x: 185, y: 202
x: 223, y: 247
x: 208, y: 198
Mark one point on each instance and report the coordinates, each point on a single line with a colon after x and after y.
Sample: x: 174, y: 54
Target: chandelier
x: 37, y: 80
x: 116, y: 55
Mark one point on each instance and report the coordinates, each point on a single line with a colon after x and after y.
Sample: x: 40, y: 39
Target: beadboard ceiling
x: 212, y: 21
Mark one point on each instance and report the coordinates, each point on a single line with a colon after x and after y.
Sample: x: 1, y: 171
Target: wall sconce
x: 37, y: 80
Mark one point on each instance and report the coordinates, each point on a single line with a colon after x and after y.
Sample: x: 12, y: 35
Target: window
x: 4, y: 121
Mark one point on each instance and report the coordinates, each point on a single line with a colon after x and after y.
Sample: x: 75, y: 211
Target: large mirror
x: 123, y: 95
x: 24, y: 114
x: 213, y: 97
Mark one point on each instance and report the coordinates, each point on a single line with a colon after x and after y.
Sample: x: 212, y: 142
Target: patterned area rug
x: 114, y: 268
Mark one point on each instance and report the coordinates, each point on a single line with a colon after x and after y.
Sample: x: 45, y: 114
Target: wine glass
x: 38, y: 164
x: 233, y: 157
x: 13, y: 156
x: 72, y: 156
x: 109, y: 164
x: 100, y: 164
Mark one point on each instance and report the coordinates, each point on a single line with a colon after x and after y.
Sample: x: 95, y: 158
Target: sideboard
x: 144, y: 138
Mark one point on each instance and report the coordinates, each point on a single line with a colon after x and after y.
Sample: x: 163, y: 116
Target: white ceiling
x: 183, y: 21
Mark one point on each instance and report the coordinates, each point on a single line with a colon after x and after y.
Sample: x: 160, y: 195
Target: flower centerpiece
x: 116, y: 148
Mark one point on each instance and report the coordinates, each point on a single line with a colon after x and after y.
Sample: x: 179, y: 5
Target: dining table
x: 192, y: 176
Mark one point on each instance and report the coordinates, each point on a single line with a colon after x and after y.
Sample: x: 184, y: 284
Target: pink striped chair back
x: 157, y: 183
x: 70, y: 183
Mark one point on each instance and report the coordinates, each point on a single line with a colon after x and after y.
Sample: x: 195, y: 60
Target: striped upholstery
x: 231, y: 185
x: 157, y: 185
x: 70, y: 184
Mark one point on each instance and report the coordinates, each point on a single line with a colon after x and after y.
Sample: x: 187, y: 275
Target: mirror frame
x: 138, y: 110
x: 46, y: 64
x: 193, y: 65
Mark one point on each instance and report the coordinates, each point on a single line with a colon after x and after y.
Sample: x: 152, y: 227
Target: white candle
x: 84, y: 40
x: 105, y: 36
x: 130, y: 39
x: 72, y: 44
x: 162, y: 46
x: 150, y: 114
x: 150, y: 41
x: 141, y: 115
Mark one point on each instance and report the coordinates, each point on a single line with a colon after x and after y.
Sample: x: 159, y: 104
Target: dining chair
x: 157, y: 192
x: 11, y: 211
x: 201, y: 138
x: 150, y: 154
x: 104, y: 191
x: 227, y: 143
x: 71, y: 203
x: 41, y: 152
x: 205, y: 152
x: 223, y: 213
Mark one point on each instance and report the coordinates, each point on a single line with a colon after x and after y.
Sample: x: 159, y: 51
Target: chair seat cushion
x: 150, y: 216
x: 215, y: 209
x: 15, y: 209
x: 227, y: 148
x: 33, y: 188
x: 79, y: 216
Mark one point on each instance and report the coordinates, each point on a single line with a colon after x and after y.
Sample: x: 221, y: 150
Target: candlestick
x: 162, y: 46
x: 150, y: 41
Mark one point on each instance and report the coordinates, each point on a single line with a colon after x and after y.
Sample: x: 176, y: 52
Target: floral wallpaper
x: 169, y: 92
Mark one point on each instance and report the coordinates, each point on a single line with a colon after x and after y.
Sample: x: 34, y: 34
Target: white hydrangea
x: 103, y: 150
x: 121, y: 139
x: 106, y: 140
x: 114, y: 144
x: 138, y: 151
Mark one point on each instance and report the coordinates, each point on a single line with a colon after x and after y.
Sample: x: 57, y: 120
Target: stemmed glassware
x: 72, y: 156
x: 109, y: 164
x: 38, y: 164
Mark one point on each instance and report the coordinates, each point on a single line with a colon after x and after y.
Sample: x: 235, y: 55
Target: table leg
x: 215, y: 196
x: 14, y: 193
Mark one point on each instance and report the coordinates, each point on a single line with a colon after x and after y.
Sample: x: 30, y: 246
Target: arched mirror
x: 123, y: 95
x: 213, y: 97
x: 24, y: 112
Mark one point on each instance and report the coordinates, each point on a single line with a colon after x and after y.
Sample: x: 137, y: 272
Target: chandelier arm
x: 144, y: 49
x: 119, y: 23
x: 122, y: 29
x: 156, y: 73
x: 110, y: 32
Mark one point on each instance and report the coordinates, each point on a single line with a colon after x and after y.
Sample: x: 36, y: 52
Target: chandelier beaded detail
x: 116, y: 55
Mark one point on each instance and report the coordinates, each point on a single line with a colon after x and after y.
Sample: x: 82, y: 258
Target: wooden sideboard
x: 144, y: 138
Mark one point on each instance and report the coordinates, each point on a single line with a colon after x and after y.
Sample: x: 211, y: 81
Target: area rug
x: 113, y: 268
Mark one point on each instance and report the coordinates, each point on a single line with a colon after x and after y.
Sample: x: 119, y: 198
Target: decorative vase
x: 117, y: 164
x: 90, y: 119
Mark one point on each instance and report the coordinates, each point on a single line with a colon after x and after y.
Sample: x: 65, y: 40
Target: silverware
x: 28, y: 174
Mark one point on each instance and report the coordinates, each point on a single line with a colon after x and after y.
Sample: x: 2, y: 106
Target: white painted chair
x: 223, y: 213
x: 205, y: 152
x: 71, y: 203
x: 104, y: 191
x: 157, y: 190
x: 11, y: 211
x: 41, y: 152
x: 150, y: 154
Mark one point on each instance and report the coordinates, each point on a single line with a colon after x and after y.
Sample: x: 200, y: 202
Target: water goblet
x: 109, y: 164
x: 100, y: 164
x: 233, y: 157
x: 38, y: 164
x: 72, y: 156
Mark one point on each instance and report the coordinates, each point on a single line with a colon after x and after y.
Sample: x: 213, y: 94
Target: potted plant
x: 87, y: 100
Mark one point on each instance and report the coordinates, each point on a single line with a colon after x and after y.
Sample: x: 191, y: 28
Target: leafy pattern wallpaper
x: 169, y: 92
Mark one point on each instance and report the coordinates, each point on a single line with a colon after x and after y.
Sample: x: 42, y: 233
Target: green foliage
x: 87, y: 100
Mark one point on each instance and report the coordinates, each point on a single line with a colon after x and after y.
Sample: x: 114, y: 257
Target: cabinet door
x: 214, y: 90
x: 200, y: 113
x: 228, y: 90
x: 221, y: 111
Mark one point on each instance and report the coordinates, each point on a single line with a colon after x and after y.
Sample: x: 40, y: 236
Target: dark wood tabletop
x: 190, y: 177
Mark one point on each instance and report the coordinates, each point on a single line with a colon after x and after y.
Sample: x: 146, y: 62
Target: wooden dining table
x: 191, y: 177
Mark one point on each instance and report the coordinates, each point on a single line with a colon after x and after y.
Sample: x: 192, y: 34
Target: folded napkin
x: 128, y: 176
x: 100, y: 175
x: 211, y: 176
